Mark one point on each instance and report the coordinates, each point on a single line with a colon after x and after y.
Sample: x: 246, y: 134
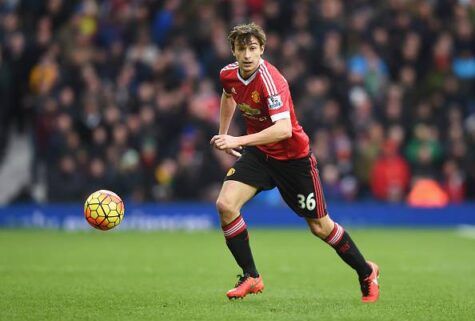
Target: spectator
x: 66, y: 183
x: 390, y: 174
x: 424, y: 151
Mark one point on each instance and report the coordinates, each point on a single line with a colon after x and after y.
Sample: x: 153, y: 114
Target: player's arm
x: 228, y: 106
x: 280, y: 130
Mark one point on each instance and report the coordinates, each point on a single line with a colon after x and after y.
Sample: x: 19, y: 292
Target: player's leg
x: 242, y: 182
x: 336, y: 236
x: 299, y: 184
x: 232, y: 197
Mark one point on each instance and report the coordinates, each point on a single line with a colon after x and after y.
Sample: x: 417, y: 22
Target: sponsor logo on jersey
x: 274, y: 102
x: 255, y: 97
x: 248, y: 110
x: 231, y: 171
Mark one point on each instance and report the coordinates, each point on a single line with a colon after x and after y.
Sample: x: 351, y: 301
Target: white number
x: 307, y: 202
x: 311, y: 202
x: 301, y: 200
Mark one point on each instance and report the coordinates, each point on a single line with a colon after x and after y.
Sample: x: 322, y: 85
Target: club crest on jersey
x: 231, y: 171
x: 255, y: 97
x: 274, y: 102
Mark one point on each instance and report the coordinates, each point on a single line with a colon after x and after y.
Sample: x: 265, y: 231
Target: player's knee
x: 227, y: 211
x: 321, y: 228
x: 318, y: 230
x: 225, y: 207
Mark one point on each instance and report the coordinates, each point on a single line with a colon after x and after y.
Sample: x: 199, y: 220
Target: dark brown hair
x: 243, y: 33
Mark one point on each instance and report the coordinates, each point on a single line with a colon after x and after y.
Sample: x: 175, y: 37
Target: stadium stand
x: 125, y: 94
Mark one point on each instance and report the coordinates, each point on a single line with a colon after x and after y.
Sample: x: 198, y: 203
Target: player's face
x: 248, y: 56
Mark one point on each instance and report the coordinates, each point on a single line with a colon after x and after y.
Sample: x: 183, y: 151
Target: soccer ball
x: 104, y: 210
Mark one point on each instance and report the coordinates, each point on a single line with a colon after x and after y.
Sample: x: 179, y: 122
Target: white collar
x: 248, y: 80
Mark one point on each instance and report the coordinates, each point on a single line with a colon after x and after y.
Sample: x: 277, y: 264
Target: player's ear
x: 262, y: 50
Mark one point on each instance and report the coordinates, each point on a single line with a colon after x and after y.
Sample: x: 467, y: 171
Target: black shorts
x: 297, y: 180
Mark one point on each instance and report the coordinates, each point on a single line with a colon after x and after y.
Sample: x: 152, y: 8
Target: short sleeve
x: 224, y: 83
x: 277, y: 94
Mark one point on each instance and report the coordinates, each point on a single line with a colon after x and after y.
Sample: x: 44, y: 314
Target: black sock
x: 341, y: 241
x: 237, y: 240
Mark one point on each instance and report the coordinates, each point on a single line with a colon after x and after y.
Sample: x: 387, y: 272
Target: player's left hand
x: 223, y: 142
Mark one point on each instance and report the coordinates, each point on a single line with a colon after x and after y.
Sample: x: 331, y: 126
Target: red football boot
x: 370, y: 286
x: 246, y: 285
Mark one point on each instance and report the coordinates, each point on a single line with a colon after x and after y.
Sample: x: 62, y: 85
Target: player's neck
x: 246, y: 75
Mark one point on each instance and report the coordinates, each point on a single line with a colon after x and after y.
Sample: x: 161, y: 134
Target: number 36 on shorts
x: 307, y: 202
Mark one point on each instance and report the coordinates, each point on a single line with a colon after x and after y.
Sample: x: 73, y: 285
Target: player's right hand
x: 230, y: 151
x: 233, y: 152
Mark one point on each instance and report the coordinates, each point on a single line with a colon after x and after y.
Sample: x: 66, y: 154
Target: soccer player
x: 276, y: 154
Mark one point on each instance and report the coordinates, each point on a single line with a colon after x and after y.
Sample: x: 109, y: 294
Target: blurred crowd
x: 124, y: 95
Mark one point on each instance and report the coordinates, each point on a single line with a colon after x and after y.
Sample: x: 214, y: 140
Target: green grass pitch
x: 119, y: 275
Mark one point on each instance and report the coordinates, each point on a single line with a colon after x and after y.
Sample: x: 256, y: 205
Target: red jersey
x: 263, y: 99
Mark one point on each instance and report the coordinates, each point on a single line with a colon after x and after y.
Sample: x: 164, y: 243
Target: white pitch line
x: 466, y: 231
